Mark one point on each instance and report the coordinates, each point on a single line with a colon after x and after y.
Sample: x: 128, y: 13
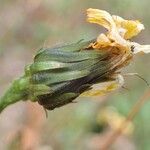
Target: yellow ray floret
x: 131, y: 28
x: 119, y: 31
x: 104, y: 88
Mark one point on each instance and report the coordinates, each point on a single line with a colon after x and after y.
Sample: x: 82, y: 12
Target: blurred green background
x: 28, y: 25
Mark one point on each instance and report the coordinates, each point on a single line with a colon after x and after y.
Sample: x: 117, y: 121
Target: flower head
x: 60, y: 74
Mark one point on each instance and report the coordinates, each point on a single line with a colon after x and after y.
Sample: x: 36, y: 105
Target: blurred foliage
x: 28, y: 25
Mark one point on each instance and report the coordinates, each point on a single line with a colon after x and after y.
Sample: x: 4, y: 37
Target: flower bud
x: 60, y: 74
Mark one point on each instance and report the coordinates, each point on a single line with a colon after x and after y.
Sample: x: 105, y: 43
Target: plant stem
x: 17, y: 92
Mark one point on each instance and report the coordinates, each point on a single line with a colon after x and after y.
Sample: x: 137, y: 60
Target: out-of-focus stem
x: 136, y: 108
x: 17, y: 92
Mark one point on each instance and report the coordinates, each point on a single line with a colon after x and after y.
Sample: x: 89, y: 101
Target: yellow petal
x: 104, y: 19
x: 105, y: 87
x: 101, y: 89
x: 140, y: 48
x: 102, y: 41
x: 131, y: 28
x: 118, y: 35
x: 100, y: 17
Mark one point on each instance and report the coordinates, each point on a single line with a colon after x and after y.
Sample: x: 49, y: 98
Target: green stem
x: 17, y: 92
